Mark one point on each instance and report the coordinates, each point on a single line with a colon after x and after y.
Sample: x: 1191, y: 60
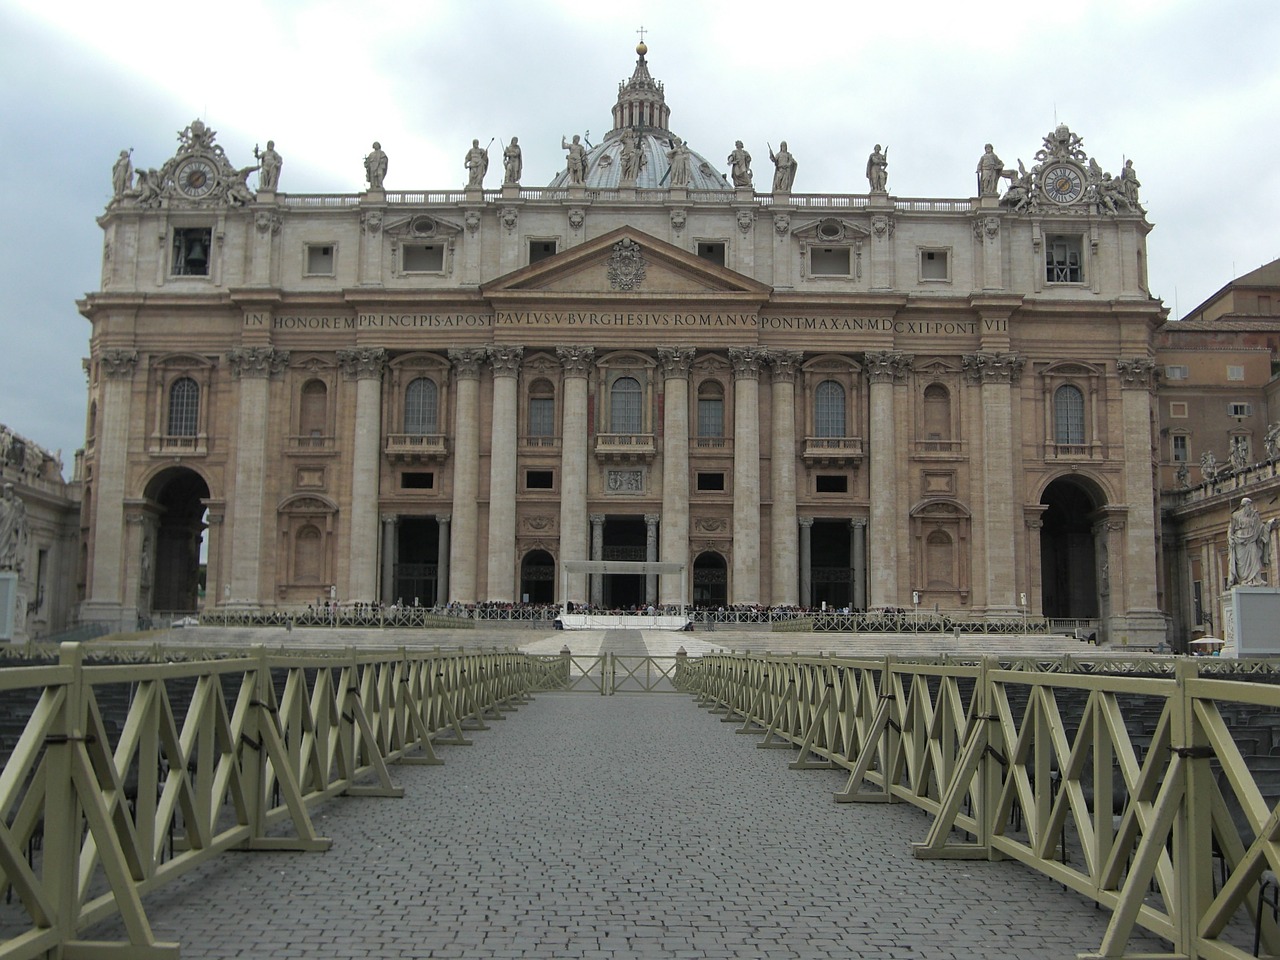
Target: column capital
x: 858, y: 522
x: 596, y: 517
x: 675, y: 362
x: 506, y: 360
x: 651, y: 519
x: 443, y: 518
x: 993, y: 367
x: 390, y: 518
x: 887, y: 366
x: 466, y: 362
x: 257, y: 362
x: 118, y: 364
x: 1138, y: 373
x: 577, y: 361
x: 805, y: 521
x: 363, y: 363
x: 746, y: 362
x: 785, y: 364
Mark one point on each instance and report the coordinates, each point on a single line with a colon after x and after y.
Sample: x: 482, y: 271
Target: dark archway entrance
x: 624, y: 539
x: 710, y: 580
x: 179, y: 494
x: 1068, y: 568
x: 831, y: 566
x: 417, y: 569
x: 538, y: 577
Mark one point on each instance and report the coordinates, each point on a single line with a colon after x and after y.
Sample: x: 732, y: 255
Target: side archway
x: 1069, y: 576
x: 174, y: 559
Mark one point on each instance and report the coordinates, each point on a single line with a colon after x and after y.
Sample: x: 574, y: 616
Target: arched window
x: 315, y: 409
x: 828, y: 410
x: 184, y: 408
x: 542, y: 409
x: 626, y: 414
x: 710, y: 409
x: 421, y: 407
x: 1068, y: 415
x: 940, y: 560
x: 937, y: 412
x: 307, y: 557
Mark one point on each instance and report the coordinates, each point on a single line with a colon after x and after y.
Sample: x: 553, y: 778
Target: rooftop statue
x: 990, y: 170
x: 122, y: 176
x: 680, y: 163
x: 512, y: 162
x: 784, y: 168
x: 375, y: 166
x: 269, y: 163
x: 878, y: 170
x: 740, y: 165
x: 577, y: 159
x: 477, y: 164
x: 1249, y: 543
x: 13, y: 529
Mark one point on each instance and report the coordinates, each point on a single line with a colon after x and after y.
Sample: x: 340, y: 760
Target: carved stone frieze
x: 745, y: 219
x: 993, y: 367
x: 782, y: 224
x: 371, y: 221
x: 678, y: 220
x: 257, y: 362
x: 1137, y: 373
x: 711, y: 525
x: 577, y: 361
x: 363, y: 363
x: 472, y: 220
x: 577, y: 217
x: 882, y: 226
x: 887, y: 366
x: 540, y: 522
x: 268, y: 221
x: 675, y: 362
x: 118, y: 363
x: 626, y: 265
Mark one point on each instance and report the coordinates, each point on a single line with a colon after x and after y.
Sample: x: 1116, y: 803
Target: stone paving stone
x: 596, y: 828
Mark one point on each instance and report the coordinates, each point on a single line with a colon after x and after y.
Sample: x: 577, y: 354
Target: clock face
x: 1063, y: 183
x: 195, y: 178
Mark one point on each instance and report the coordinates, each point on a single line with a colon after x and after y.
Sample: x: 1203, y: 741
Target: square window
x: 541, y: 250
x: 829, y: 261
x: 1063, y: 259
x: 1239, y: 410
x: 935, y: 265
x: 1176, y: 371
x: 191, y: 251
x: 320, y: 260
x: 711, y: 481
x: 539, y: 480
x: 422, y: 258
x: 1234, y: 372
x: 417, y: 481
x: 831, y: 483
x: 1181, y: 450
x: 712, y: 250
x: 1178, y: 409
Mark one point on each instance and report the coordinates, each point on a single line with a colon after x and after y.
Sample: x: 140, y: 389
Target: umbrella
x: 1206, y: 642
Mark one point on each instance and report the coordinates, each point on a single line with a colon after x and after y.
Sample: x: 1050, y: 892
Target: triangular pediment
x: 625, y: 264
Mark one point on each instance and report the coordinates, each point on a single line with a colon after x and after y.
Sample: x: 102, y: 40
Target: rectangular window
x: 541, y: 249
x: 1264, y: 305
x: 831, y: 483
x: 542, y: 416
x: 417, y: 481
x: 1062, y: 260
x: 712, y: 250
x: 829, y: 261
x: 1176, y: 371
x: 422, y: 258
x: 191, y: 251
x: 711, y: 481
x: 711, y: 417
x: 1235, y: 372
x: 935, y: 265
x: 1178, y: 409
x: 320, y: 260
x: 539, y: 480
x: 1239, y: 410
x: 1181, y: 452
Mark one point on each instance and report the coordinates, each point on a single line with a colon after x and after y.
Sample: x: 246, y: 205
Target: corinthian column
x: 502, y: 474
x: 366, y: 365
x: 785, y: 577
x: 1145, y: 622
x: 466, y: 475
x: 888, y: 527
x: 116, y: 368
x: 674, y: 534
x: 746, y: 474
x: 253, y: 367
x: 577, y: 362
x: 995, y: 374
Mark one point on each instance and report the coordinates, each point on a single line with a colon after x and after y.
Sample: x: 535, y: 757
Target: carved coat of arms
x: 626, y: 266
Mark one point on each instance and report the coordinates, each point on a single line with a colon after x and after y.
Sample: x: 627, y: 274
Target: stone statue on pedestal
x: 1249, y: 545
x: 375, y: 167
x: 784, y: 172
x: 740, y: 165
x: 512, y: 162
x: 13, y: 530
x: 477, y: 164
x: 878, y: 170
x: 577, y: 159
x: 269, y: 163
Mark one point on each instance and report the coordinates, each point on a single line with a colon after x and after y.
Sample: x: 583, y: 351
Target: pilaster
x: 365, y: 365
x: 885, y: 370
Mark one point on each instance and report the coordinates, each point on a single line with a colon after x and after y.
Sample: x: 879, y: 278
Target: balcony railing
x: 625, y: 446
x: 171, y: 446
x: 1073, y: 451
x: 416, y: 447
x: 535, y: 444
x: 832, y: 450
x: 717, y: 445
x: 940, y: 448
x: 312, y: 443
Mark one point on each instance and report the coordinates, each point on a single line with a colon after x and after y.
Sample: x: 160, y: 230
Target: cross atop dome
x: 641, y: 101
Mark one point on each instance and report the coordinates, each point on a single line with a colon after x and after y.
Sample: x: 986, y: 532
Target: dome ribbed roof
x: 642, y: 107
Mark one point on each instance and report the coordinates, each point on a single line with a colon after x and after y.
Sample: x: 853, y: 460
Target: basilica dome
x: 642, y: 113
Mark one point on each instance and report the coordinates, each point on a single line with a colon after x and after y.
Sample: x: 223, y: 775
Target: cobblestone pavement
x: 616, y: 827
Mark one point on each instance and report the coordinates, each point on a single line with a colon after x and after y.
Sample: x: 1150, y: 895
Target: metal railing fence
x: 1141, y: 787
x: 119, y: 778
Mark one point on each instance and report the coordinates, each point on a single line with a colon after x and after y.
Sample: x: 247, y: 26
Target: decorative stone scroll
x: 363, y: 363
x: 577, y: 361
x: 118, y: 363
x: 1138, y: 373
x: 887, y: 366
x: 675, y: 362
x: 626, y: 265
x: 268, y: 221
x: 257, y: 362
x: 993, y: 367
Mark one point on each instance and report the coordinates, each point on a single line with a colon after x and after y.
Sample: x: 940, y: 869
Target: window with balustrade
x: 710, y: 408
x: 421, y: 407
x: 626, y: 406
x: 541, y: 420
x: 1068, y: 415
x: 184, y: 408
x: 313, y: 412
x: 937, y: 415
x: 829, y: 410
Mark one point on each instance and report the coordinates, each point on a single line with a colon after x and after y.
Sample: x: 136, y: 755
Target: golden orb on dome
x: 642, y: 48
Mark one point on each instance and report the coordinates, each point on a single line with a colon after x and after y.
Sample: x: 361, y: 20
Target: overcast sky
x: 1187, y: 90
